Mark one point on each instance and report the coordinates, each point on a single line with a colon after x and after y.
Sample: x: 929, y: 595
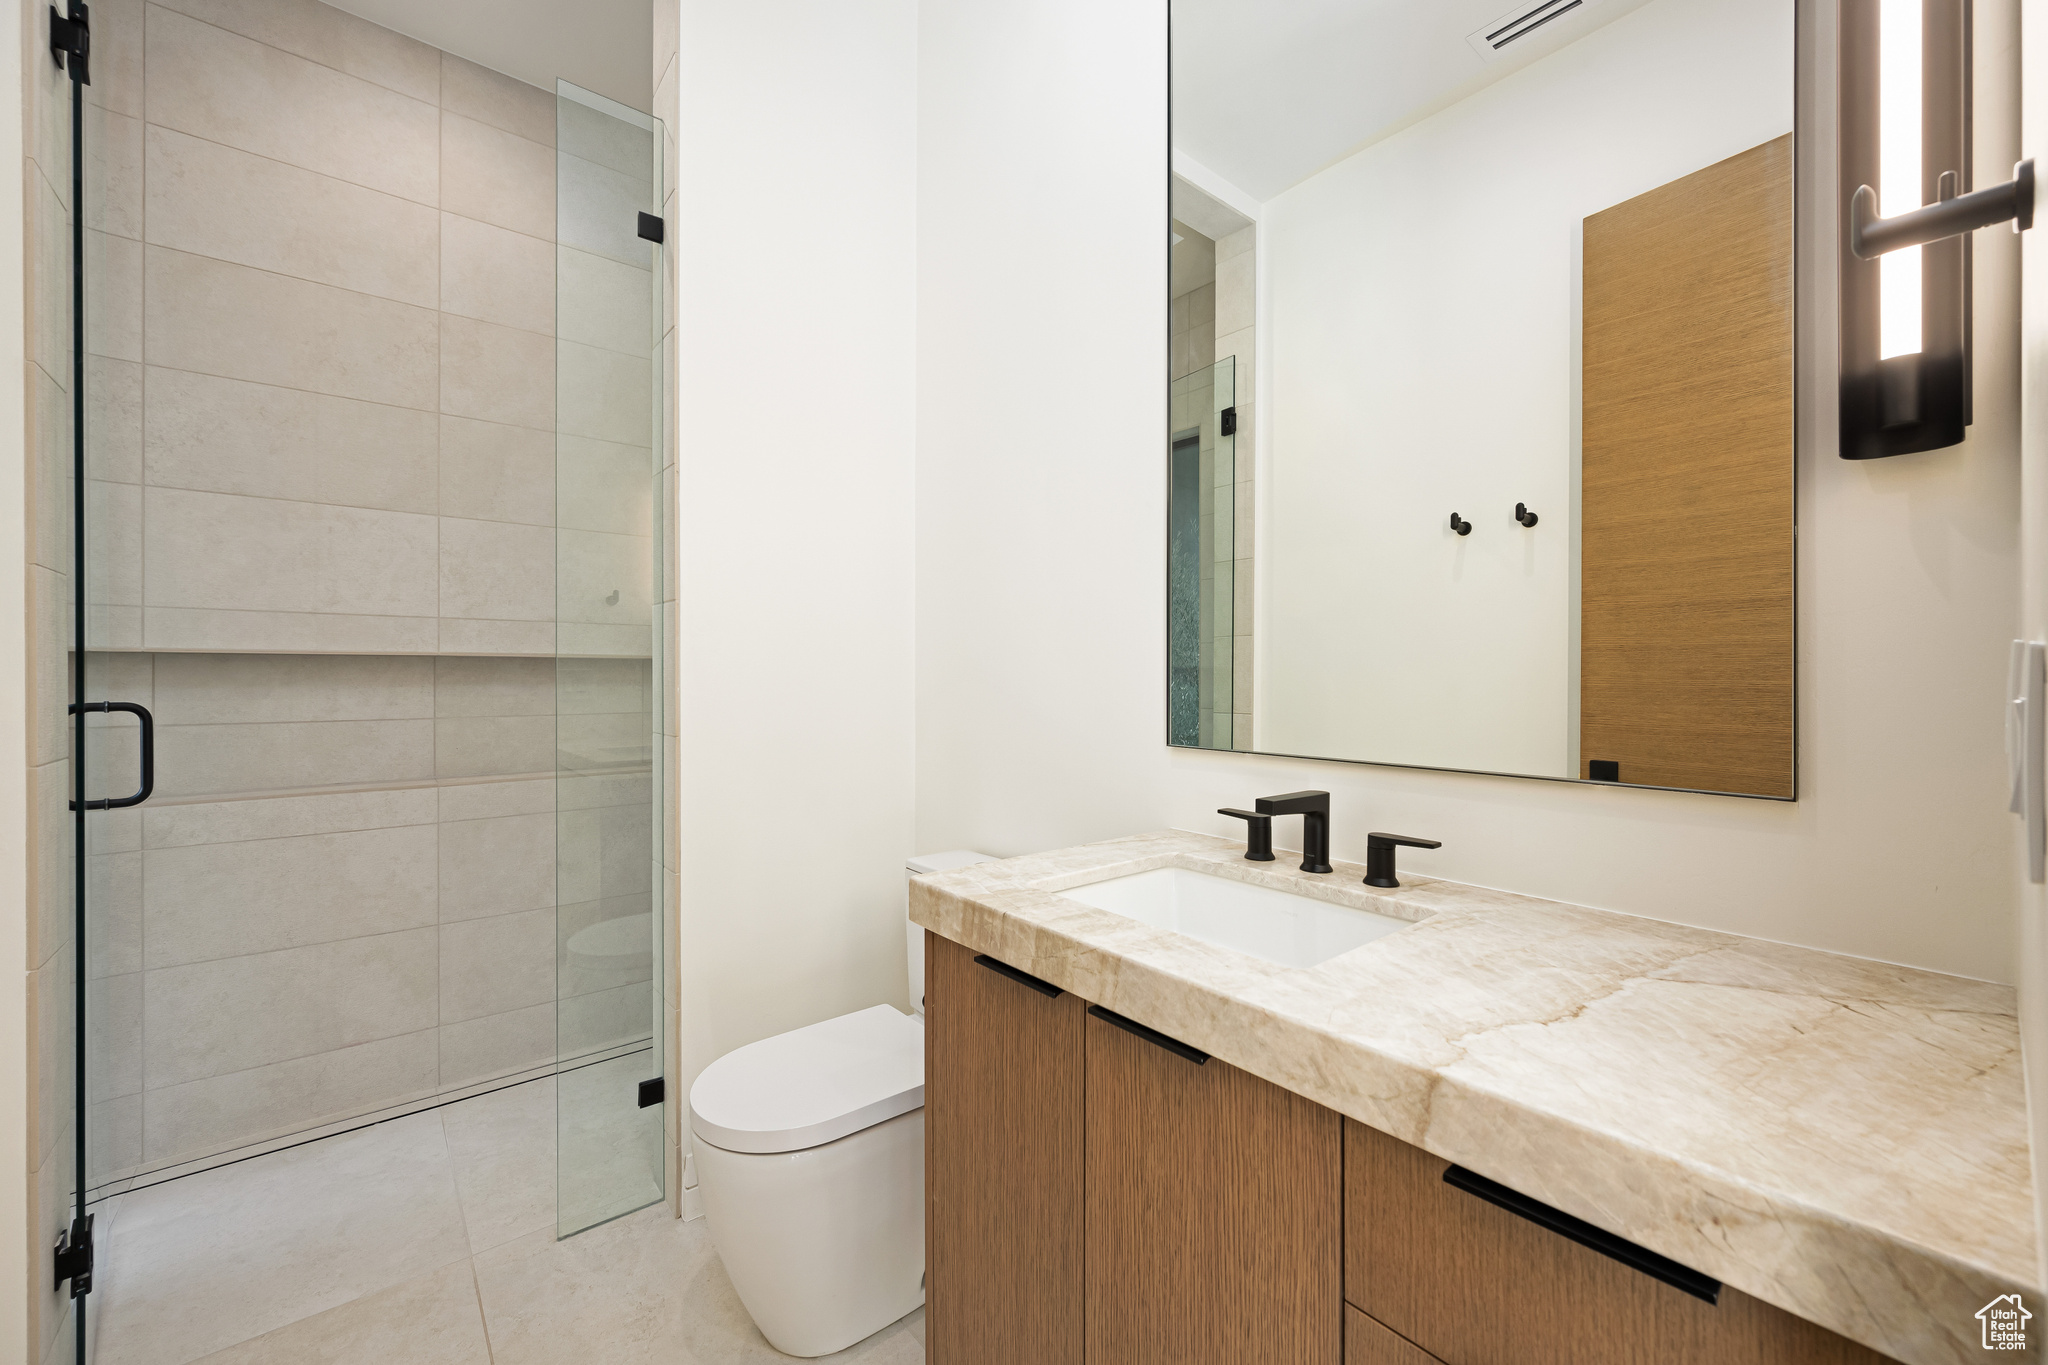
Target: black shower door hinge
x: 652, y: 1093
x: 1230, y: 421
x: 72, y: 36
x: 651, y: 227
x: 74, y: 1257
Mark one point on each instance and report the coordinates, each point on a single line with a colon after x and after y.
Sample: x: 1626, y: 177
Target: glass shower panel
x: 608, y: 398
x: 1202, y: 550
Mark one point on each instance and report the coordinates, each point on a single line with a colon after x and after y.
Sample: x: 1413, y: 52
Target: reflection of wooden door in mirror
x: 1686, y: 524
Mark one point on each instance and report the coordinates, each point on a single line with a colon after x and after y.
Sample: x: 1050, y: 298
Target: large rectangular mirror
x: 1480, y: 446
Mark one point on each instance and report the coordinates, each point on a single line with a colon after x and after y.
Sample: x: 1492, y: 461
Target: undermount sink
x: 1293, y: 931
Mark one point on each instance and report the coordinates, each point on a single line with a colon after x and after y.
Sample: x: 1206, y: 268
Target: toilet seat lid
x: 812, y: 1085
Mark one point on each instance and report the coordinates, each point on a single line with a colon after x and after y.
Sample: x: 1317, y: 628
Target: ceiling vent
x: 1498, y: 38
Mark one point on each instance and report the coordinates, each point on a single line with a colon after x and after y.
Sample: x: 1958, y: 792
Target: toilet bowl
x: 809, y: 1149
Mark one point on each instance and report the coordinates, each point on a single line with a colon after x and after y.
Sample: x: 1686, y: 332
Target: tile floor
x: 426, y: 1240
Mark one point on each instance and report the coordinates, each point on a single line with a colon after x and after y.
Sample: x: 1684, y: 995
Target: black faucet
x: 1314, y: 810
x: 1379, y: 856
x: 1258, y: 834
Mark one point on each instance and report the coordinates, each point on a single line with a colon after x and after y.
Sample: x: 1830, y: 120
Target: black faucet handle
x: 1379, y: 855
x: 1258, y: 840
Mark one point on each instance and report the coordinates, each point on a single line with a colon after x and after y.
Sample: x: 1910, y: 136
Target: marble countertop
x: 1843, y: 1138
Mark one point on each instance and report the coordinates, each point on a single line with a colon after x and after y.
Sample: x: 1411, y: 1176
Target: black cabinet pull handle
x: 1586, y: 1235
x: 140, y: 713
x: 1151, y: 1035
x: 1044, y: 988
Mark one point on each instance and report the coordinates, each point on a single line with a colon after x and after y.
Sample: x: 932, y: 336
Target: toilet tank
x: 915, y: 867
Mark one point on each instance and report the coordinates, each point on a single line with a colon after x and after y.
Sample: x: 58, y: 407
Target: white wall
x: 796, y: 291
x: 1040, y: 645
x: 1382, y: 633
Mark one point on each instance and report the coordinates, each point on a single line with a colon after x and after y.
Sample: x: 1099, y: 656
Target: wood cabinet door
x: 1002, y: 1133
x: 1473, y: 1284
x: 1213, y: 1213
x: 1369, y: 1342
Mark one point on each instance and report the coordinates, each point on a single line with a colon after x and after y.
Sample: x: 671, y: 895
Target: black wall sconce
x: 1907, y: 211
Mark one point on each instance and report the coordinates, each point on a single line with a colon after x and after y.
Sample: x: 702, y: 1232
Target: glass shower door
x: 608, y: 667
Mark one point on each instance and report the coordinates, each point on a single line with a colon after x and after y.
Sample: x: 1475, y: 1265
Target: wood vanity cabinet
x: 1003, y: 1071
x: 1446, y: 1276
x: 1213, y: 1233
x: 1092, y: 1196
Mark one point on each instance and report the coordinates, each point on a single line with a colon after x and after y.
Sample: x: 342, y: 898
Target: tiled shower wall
x: 381, y: 930
x: 338, y: 531
x: 322, y: 302
x: 321, y: 374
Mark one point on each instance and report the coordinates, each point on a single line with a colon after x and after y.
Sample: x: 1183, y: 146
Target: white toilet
x: 809, y: 1149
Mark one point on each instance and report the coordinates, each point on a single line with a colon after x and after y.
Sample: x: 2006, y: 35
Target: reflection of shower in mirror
x: 1617, y: 351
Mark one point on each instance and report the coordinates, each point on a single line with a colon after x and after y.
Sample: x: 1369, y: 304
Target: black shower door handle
x: 140, y: 713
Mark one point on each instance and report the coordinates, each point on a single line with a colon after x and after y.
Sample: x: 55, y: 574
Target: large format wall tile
x: 114, y: 516
x: 498, y: 374
x: 486, y: 746
x: 593, y: 566
x: 113, y: 173
x: 197, y: 1117
x: 117, y: 46
x: 194, y: 760
x: 113, y: 308
x: 212, y: 550
x: 229, y: 89
x: 113, y: 1014
x: 497, y: 866
x: 497, y: 571
x: 594, y: 687
x: 605, y: 302
x: 113, y: 419
x: 496, y: 964
x: 307, y: 632
x: 242, y: 323
x: 496, y: 1045
x: 480, y: 800
x: 479, y: 93
x: 494, y: 472
x: 329, y: 36
x: 212, y: 1018
x: 178, y: 826
x: 494, y: 687
x: 607, y: 395
x: 234, y: 206
x: 206, y: 901
x: 496, y: 275
x: 212, y: 689
x: 231, y: 436
x: 600, y: 211
x: 591, y: 135
x: 497, y: 177
x: 604, y: 486
x: 497, y: 637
